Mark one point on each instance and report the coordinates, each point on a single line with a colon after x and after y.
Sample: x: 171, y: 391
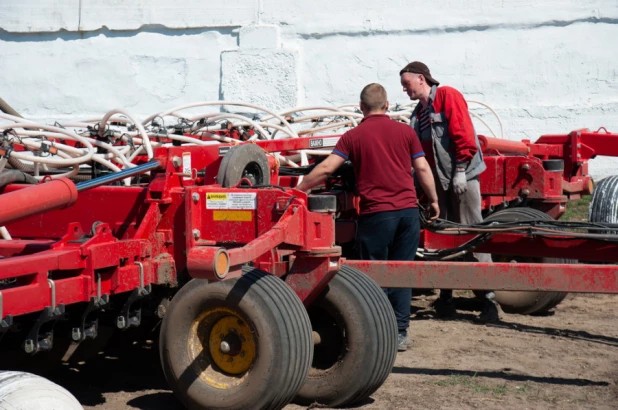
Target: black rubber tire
x: 359, y: 355
x: 241, y: 161
x: 526, y: 303
x: 281, y: 335
x: 604, y: 202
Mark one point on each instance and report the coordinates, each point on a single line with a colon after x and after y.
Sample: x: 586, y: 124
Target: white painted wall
x: 546, y: 67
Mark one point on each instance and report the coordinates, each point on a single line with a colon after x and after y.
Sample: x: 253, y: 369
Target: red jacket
x: 460, y: 129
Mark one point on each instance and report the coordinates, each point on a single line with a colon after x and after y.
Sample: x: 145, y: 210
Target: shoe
x: 444, y: 307
x: 402, y: 342
x: 490, y: 313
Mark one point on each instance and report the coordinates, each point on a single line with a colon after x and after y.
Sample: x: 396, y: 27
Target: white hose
x: 128, y: 143
x: 5, y: 234
x: 139, y: 126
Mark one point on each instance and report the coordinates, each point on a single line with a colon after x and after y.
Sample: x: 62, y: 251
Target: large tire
x: 244, y: 161
x: 604, y: 202
x: 359, y: 341
x: 525, y: 303
x: 20, y: 390
x: 268, y: 338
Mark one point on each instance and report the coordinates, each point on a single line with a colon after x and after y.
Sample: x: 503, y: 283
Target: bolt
x: 222, y: 336
x: 91, y: 332
x: 161, y: 311
x: 525, y: 192
x: 232, y: 330
x: 120, y: 322
x: 230, y: 360
x: 176, y: 161
x: 29, y: 346
x: 242, y: 354
x: 195, y: 196
x: 225, y: 347
x: 76, y: 334
x: 579, y: 145
x: 196, y: 234
x: 525, y: 167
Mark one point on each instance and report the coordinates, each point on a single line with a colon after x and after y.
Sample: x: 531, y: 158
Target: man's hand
x: 434, y: 211
x: 321, y: 172
x: 460, y: 184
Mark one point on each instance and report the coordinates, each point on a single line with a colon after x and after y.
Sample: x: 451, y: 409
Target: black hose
x: 13, y: 175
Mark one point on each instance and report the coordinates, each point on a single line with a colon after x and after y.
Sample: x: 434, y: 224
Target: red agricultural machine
x: 256, y: 284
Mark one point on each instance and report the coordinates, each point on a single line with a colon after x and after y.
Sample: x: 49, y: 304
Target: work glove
x: 460, y: 184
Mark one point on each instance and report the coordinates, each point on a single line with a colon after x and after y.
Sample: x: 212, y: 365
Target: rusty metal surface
x: 567, y: 247
x: 491, y: 276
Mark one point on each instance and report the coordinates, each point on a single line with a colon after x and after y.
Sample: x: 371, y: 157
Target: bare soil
x: 565, y: 360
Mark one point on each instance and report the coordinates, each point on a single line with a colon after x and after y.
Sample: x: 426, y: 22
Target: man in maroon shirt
x: 443, y: 124
x: 383, y: 153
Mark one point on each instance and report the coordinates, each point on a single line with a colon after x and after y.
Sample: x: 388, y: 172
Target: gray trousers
x: 465, y: 209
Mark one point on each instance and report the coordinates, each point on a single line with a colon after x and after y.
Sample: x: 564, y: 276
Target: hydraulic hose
x: 6, y: 108
x: 13, y: 175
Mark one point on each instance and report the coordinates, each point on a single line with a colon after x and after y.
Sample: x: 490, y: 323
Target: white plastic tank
x: 26, y: 391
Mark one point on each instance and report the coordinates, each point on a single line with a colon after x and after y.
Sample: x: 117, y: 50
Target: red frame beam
x: 491, y: 276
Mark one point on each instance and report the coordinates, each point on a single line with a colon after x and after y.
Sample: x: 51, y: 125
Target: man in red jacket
x: 383, y: 153
x: 443, y: 124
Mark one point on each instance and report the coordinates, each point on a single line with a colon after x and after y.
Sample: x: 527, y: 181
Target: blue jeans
x: 393, y: 236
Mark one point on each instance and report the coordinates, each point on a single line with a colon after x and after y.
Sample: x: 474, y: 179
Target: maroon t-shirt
x: 381, y: 151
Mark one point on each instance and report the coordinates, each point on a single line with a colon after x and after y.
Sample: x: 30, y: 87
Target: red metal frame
x: 151, y: 234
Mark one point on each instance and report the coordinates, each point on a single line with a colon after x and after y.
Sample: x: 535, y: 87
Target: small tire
x: 604, y: 202
x: 268, y: 343
x: 244, y: 161
x: 525, y: 303
x: 21, y: 390
x: 360, y: 345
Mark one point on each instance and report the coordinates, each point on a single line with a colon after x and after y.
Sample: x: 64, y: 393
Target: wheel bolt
x: 225, y: 347
x: 242, y: 354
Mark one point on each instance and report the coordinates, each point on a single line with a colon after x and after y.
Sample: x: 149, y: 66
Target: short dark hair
x: 374, y: 97
x: 416, y: 67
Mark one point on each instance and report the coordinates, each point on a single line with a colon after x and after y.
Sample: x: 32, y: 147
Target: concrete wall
x: 545, y: 67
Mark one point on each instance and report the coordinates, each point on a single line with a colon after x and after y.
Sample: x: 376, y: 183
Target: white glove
x: 460, y: 184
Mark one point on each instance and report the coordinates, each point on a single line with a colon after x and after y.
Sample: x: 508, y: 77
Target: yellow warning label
x: 216, y: 196
x: 236, y: 216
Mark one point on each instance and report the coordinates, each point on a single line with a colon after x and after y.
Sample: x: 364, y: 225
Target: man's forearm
x: 425, y: 178
x: 315, y: 177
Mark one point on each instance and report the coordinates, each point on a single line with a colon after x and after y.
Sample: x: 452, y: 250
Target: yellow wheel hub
x: 232, y: 345
x: 222, y: 347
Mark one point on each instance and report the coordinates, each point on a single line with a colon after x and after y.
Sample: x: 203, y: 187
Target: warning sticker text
x: 230, y: 200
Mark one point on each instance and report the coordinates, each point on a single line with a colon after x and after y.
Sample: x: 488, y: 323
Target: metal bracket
x: 89, y: 329
x: 5, y: 322
x: 37, y: 340
x: 130, y: 317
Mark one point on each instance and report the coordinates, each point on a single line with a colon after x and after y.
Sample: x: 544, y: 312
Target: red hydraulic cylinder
x: 503, y: 146
x: 56, y: 194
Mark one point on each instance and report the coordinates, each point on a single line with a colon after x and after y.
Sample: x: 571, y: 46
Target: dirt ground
x: 568, y: 360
